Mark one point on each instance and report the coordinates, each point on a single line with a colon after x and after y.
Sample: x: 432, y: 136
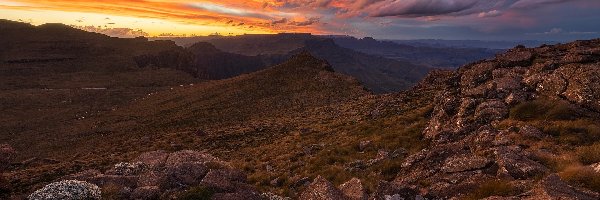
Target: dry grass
x: 574, y: 141
x: 582, y: 176
x: 589, y: 154
x: 492, y: 188
x: 197, y: 193
x: 544, y: 109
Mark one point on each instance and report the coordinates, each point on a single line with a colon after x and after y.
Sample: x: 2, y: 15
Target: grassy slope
x: 263, y: 122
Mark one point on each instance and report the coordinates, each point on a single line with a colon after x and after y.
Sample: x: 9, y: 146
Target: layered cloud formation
x: 383, y: 18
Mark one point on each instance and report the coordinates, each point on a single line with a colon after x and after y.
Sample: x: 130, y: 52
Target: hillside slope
x: 525, y: 125
x: 381, y: 75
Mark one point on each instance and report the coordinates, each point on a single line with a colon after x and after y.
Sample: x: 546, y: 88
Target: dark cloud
x: 419, y: 8
x: 523, y: 4
x: 281, y: 21
x: 310, y: 21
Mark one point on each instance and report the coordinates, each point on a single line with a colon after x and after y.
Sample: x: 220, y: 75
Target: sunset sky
x: 385, y: 19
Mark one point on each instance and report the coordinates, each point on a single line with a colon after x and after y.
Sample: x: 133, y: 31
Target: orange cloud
x: 237, y: 16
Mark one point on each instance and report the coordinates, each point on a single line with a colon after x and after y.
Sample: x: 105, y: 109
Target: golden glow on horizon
x: 227, y: 17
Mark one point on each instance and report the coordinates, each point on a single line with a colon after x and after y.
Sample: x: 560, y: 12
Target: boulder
x: 67, y: 190
x: 127, y: 169
x: 237, y: 196
x: 189, y: 156
x: 512, y: 162
x: 386, y: 190
x: 321, y: 189
x: 531, y: 132
x: 354, y: 190
x: 465, y: 163
x: 553, y: 188
x: 224, y: 180
x: 271, y: 196
x: 148, y: 192
x: 153, y: 159
x: 491, y: 110
x: 515, y: 57
x: 183, y: 174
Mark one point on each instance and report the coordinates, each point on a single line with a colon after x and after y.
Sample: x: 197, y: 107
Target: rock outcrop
x: 466, y: 149
x: 163, y: 175
x: 552, y: 187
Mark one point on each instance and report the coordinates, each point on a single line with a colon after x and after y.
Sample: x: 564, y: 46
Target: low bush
x: 589, y: 154
x: 197, y: 193
x: 543, y: 109
x: 493, y: 188
x: 583, y: 177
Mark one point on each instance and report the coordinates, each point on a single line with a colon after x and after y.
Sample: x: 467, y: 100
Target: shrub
x: 493, y: 188
x: 390, y: 169
x: 543, y: 109
x: 553, y: 162
x: 197, y: 193
x: 589, y: 154
x: 582, y: 176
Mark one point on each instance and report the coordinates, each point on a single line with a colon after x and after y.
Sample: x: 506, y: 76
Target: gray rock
x: 67, y: 190
x: 321, y: 189
x: 354, y: 189
x: 148, y: 192
x: 553, y: 188
x: 465, y: 163
x: 512, y: 162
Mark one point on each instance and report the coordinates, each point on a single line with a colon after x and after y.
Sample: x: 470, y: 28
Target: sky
x: 557, y: 20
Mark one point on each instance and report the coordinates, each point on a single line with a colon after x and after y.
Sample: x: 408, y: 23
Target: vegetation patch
x: 197, y: 193
x: 589, y: 154
x: 582, y: 176
x: 543, y: 109
x: 492, y: 188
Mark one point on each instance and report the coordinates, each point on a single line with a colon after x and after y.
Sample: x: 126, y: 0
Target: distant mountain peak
x: 304, y: 59
x: 204, y: 46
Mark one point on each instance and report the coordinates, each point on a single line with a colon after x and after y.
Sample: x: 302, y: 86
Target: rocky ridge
x: 471, y: 145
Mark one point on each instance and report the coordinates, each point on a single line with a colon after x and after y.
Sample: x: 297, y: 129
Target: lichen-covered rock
x: 512, y: 162
x: 271, y: 196
x: 553, y: 188
x: 223, y: 180
x: 386, y: 190
x: 321, y: 189
x: 354, y: 190
x: 531, y: 132
x: 489, y: 111
x: 465, y: 163
x: 153, y: 159
x: 127, y: 169
x: 158, y: 175
x: 148, y: 192
x: 67, y: 190
x: 184, y: 174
